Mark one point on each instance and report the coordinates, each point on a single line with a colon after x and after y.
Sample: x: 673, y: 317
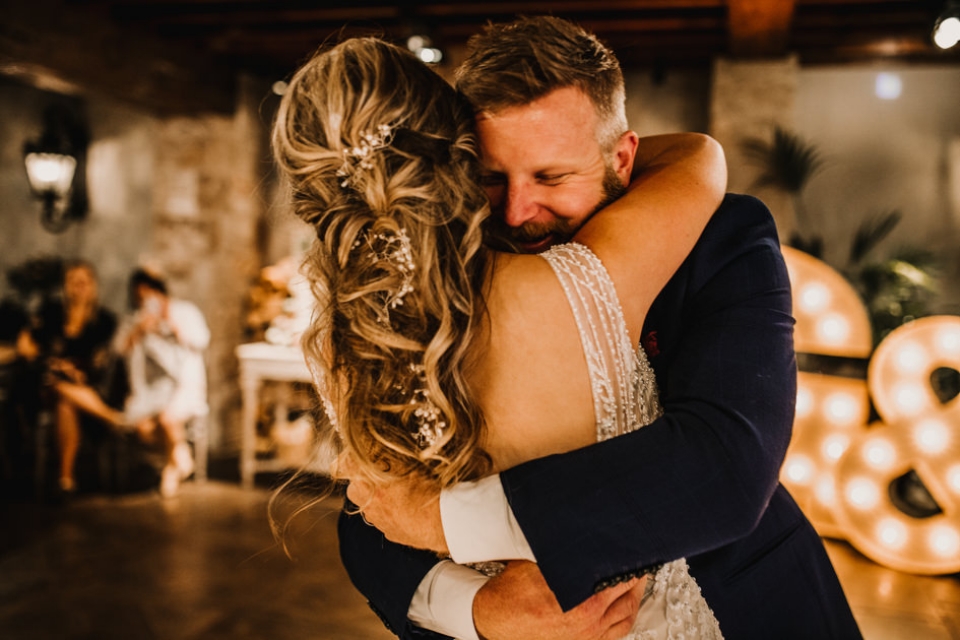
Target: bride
x: 438, y: 356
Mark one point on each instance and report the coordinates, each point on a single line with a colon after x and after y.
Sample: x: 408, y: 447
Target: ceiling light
x: 421, y: 47
x: 946, y: 32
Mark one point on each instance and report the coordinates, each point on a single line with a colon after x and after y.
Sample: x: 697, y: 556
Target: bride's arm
x: 643, y: 237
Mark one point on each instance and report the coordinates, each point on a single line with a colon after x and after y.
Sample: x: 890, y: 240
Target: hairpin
x: 357, y: 159
x: 393, y: 248
x: 428, y: 415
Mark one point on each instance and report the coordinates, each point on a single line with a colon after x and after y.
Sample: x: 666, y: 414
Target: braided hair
x: 380, y: 158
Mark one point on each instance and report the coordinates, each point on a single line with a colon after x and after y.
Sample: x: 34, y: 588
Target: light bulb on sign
x: 804, y: 401
x: 948, y: 340
x: 835, y: 446
x: 911, y: 358
x: 833, y: 328
x: 944, y: 541
x: 826, y: 490
x: 908, y: 398
x: 953, y: 478
x: 841, y: 408
x: 798, y: 468
x: 862, y: 493
x: 879, y: 453
x: 814, y: 297
x: 932, y: 436
x: 892, y: 533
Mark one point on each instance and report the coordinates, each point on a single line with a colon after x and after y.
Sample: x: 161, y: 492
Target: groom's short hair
x: 515, y: 63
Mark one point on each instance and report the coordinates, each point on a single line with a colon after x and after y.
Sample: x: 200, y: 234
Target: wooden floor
x: 204, y: 565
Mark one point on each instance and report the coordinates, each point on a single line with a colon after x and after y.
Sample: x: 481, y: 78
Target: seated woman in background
x: 163, y: 341
x: 74, y: 336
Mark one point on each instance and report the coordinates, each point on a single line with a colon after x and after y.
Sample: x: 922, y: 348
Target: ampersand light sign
x: 841, y: 470
x: 832, y: 411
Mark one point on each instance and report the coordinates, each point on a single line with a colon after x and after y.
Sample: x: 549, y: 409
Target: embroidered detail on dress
x: 625, y: 399
x: 624, y: 390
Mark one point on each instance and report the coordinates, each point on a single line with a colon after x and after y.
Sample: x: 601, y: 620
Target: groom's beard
x: 559, y: 230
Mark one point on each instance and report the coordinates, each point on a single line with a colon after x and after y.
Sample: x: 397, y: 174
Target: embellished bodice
x: 625, y: 399
x: 624, y: 386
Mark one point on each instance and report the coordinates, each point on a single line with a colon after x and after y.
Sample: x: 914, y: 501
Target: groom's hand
x: 405, y: 510
x: 518, y: 605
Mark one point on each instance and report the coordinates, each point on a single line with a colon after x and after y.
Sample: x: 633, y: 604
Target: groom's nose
x: 520, y: 206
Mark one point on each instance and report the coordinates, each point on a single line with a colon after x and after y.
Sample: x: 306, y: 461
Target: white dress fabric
x: 167, y: 372
x: 625, y: 399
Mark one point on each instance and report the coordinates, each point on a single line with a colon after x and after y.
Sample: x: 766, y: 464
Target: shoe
x: 169, y: 481
x: 183, y: 459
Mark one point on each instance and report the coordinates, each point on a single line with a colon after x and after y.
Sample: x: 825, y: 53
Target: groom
x: 700, y: 482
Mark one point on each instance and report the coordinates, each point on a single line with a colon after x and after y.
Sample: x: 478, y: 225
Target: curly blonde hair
x: 388, y: 332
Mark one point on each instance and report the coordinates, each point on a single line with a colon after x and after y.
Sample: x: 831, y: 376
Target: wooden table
x: 261, y: 361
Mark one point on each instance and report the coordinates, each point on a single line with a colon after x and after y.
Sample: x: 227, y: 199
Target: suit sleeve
x: 700, y: 476
x: 387, y: 574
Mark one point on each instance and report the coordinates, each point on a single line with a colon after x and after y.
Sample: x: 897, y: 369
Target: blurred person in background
x: 163, y: 341
x: 74, y: 336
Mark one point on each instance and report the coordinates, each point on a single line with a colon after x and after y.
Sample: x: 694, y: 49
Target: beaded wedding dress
x: 625, y: 399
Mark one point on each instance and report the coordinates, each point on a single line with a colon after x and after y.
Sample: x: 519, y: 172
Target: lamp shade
x: 50, y: 173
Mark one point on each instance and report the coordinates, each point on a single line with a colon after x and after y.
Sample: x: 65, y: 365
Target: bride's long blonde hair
x: 380, y: 157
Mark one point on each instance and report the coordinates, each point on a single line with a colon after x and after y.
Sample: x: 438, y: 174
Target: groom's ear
x: 624, y: 153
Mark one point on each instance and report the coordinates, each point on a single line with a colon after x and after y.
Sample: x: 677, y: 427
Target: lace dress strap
x: 625, y: 399
x: 614, y: 365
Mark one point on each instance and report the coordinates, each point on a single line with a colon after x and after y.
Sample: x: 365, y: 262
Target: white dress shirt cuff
x: 444, y: 600
x: 479, y: 525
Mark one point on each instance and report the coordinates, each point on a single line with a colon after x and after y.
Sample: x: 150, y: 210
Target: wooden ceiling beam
x: 759, y: 28
x: 49, y: 44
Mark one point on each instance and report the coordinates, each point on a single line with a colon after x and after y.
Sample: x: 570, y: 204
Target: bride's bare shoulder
x: 531, y: 377
x: 524, y: 286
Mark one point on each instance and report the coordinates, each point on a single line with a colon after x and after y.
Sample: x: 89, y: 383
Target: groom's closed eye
x: 551, y: 179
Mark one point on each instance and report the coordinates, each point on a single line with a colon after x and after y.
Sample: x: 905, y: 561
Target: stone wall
x: 748, y: 99
x: 208, y: 202
x: 184, y: 194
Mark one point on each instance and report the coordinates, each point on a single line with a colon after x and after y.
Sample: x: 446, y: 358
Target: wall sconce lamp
x: 946, y: 31
x: 56, y: 168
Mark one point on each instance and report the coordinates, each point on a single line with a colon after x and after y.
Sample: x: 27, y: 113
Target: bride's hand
x: 518, y: 604
x: 406, y: 510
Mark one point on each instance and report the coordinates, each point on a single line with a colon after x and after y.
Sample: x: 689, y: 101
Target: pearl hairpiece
x: 357, y: 159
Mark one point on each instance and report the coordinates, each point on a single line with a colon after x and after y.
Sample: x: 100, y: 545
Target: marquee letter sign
x: 839, y: 468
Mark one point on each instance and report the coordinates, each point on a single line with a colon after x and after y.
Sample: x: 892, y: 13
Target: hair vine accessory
x: 357, y: 159
x: 396, y: 250
x: 427, y: 414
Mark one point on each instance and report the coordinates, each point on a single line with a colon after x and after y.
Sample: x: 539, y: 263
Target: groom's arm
x: 387, y: 574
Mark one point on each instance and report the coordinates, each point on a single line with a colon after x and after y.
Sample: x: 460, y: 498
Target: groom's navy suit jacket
x: 701, y: 482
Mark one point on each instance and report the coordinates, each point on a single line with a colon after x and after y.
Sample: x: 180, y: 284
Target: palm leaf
x: 787, y: 162
x: 870, y: 233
